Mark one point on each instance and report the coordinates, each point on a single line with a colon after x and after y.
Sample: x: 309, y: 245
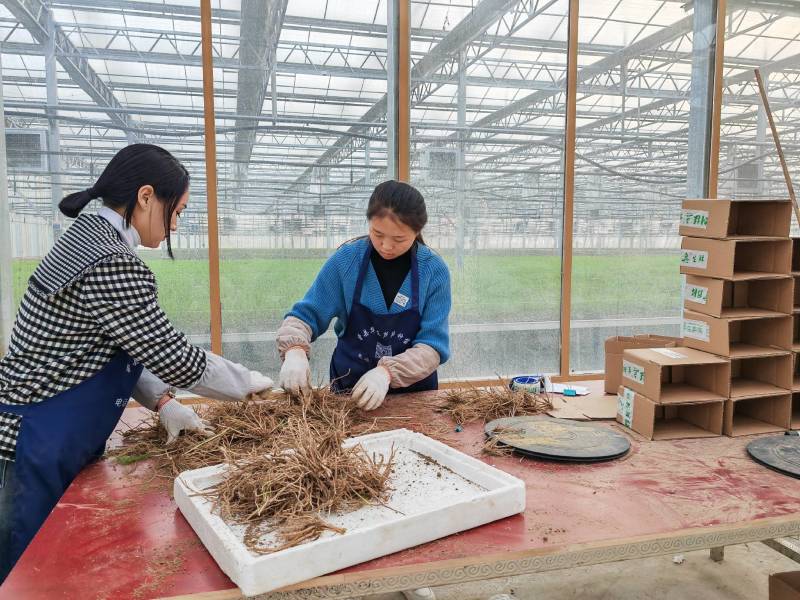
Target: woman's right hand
x: 295, y: 375
x: 260, y: 383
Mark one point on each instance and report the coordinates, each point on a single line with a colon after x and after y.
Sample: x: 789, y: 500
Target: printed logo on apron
x: 381, y: 350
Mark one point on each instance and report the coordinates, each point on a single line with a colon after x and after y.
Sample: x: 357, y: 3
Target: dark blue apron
x: 369, y: 337
x: 58, y: 437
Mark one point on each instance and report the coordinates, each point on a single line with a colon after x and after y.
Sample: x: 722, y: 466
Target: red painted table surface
x: 117, y: 534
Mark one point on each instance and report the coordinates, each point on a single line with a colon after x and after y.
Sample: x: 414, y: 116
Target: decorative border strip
x: 564, y: 559
x: 395, y: 579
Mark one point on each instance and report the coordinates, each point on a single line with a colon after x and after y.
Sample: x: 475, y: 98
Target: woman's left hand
x: 370, y: 391
x: 175, y: 417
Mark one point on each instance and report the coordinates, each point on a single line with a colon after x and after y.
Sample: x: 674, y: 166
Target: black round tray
x: 558, y: 439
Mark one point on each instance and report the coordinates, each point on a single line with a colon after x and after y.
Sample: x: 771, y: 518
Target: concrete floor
x: 742, y: 575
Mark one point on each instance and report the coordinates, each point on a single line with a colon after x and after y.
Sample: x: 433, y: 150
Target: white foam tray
x: 429, y: 500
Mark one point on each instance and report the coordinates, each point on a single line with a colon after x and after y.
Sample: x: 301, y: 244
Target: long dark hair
x: 131, y: 168
x: 400, y: 200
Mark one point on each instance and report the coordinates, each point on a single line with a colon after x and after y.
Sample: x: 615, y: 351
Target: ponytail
x: 72, y: 205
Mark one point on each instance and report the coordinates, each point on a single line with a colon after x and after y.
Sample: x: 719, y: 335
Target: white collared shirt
x: 129, y: 234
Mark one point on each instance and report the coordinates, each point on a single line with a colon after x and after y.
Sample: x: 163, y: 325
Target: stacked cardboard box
x: 739, y: 304
x: 795, y: 423
x: 616, y: 345
x: 784, y: 586
x: 673, y: 392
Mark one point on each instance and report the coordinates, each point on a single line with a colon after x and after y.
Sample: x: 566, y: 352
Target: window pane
x: 634, y: 88
x: 765, y: 37
x: 301, y: 142
x: 122, y: 76
x: 487, y: 119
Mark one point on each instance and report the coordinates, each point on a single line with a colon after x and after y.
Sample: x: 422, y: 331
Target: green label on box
x: 696, y: 293
x: 633, y: 372
x: 694, y: 218
x: 697, y: 259
x: 625, y: 406
x: 698, y: 330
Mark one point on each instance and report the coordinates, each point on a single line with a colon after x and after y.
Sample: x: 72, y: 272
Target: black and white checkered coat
x: 89, y: 297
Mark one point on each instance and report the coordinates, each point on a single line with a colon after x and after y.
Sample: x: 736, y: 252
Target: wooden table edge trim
x: 446, y: 572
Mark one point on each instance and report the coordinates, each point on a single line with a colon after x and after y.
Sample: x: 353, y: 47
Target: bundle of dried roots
x: 287, y: 466
x: 254, y: 425
x: 290, y: 492
x: 239, y: 428
x: 494, y: 447
x: 466, y: 405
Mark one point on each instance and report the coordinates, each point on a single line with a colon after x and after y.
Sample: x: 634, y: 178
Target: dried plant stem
x: 470, y: 404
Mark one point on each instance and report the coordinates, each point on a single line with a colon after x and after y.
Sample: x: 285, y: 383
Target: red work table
x: 116, y: 534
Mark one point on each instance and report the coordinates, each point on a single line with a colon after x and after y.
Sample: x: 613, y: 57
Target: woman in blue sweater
x: 390, y: 296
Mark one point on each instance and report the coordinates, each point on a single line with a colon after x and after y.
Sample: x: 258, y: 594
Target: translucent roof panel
x: 314, y: 90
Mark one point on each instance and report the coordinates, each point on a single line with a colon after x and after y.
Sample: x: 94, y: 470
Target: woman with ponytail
x: 390, y: 296
x: 90, y: 334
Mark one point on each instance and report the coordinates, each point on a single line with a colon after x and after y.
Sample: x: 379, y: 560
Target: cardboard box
x: 784, y: 586
x: 669, y: 421
x: 796, y: 255
x: 796, y: 372
x: 736, y: 260
x: 670, y: 375
x: 757, y: 415
x: 796, y: 303
x: 760, y: 377
x: 796, y: 333
x: 615, y: 346
x: 753, y: 298
x: 732, y: 219
x: 737, y: 337
x: 795, y: 423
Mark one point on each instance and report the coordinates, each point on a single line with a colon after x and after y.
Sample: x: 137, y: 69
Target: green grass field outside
x: 256, y: 292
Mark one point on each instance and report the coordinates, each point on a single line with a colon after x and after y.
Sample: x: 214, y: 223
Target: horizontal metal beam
x: 661, y: 37
x: 34, y: 15
x: 478, y: 20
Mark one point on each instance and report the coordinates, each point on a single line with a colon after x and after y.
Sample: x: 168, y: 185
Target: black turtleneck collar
x: 391, y: 273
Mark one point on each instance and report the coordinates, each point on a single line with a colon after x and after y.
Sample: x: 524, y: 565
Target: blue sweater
x: 331, y: 295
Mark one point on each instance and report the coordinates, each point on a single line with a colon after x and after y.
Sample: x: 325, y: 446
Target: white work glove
x: 371, y: 389
x: 295, y: 375
x: 175, y: 417
x: 260, y: 383
x: 228, y: 381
